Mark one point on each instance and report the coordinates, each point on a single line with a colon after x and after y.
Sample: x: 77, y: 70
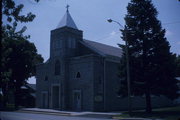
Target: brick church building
x: 80, y: 75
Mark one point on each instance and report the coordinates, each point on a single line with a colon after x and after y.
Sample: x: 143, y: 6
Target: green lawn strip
x: 170, y: 113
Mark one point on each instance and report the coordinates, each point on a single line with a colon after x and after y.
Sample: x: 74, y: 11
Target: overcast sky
x: 91, y: 17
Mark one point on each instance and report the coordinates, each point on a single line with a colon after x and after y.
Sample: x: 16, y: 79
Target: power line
x: 116, y: 32
x: 175, y: 22
x: 107, y: 36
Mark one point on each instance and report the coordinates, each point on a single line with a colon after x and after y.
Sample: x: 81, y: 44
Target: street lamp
x: 127, y: 64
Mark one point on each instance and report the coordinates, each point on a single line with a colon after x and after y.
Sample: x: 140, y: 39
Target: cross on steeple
x: 67, y: 7
x: 67, y: 20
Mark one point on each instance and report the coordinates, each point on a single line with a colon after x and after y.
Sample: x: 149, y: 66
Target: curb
x: 44, y: 112
x: 135, y: 118
x: 88, y: 115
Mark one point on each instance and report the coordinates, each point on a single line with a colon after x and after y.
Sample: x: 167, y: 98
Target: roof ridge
x: 101, y: 43
x: 103, y: 49
x: 92, y: 48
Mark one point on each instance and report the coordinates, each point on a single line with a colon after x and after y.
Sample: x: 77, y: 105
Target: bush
x: 10, y: 107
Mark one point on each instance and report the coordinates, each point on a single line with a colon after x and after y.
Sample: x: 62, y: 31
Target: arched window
x: 57, y: 70
x: 46, y: 78
x: 78, y: 75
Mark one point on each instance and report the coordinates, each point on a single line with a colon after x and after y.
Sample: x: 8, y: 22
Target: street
x: 30, y: 116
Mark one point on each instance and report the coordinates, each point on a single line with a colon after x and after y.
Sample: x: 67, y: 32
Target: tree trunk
x: 5, y: 98
x: 148, y: 101
x: 17, y: 97
x: 5, y: 91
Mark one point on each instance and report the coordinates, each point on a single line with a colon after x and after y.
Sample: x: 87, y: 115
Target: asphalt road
x: 30, y: 116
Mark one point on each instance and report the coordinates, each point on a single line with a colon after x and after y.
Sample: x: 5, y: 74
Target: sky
x: 91, y: 16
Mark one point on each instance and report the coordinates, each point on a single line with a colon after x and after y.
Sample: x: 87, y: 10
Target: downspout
x: 104, y: 86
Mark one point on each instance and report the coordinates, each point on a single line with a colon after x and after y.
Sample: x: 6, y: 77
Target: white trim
x: 112, y: 60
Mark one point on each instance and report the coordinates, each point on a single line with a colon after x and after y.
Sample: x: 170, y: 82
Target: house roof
x: 178, y: 78
x: 103, y: 49
x: 67, y: 21
x: 32, y: 86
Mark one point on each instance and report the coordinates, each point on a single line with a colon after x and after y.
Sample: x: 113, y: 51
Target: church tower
x: 64, y: 38
x: 63, y: 45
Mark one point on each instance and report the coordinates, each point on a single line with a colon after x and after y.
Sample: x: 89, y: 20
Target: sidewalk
x: 69, y: 113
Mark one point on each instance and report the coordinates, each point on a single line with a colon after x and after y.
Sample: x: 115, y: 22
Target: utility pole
x: 127, y: 65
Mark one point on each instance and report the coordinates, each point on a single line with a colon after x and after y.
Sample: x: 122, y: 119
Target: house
x: 28, y: 96
x: 80, y: 75
x: 177, y: 101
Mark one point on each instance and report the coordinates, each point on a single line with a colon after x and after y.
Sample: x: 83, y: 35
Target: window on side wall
x: 78, y: 75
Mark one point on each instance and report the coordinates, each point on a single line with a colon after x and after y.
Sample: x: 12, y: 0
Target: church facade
x: 80, y: 75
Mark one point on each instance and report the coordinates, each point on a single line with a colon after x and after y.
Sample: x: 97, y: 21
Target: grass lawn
x: 170, y: 113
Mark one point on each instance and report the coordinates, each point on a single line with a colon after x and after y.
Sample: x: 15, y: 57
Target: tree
x: 151, y: 62
x: 18, y: 55
x: 177, y: 62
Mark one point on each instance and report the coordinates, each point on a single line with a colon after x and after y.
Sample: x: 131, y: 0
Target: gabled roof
x: 67, y: 21
x: 32, y: 86
x: 29, y: 86
x: 103, y: 49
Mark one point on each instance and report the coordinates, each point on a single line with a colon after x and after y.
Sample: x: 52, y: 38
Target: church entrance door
x: 77, y: 100
x: 45, y: 99
x: 55, y: 97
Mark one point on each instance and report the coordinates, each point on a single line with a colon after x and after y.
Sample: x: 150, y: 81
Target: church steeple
x: 67, y: 20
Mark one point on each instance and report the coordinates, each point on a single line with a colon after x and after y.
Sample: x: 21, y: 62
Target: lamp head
x: 109, y: 20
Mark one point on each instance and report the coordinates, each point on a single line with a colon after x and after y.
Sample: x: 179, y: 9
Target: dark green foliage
x: 151, y: 62
x: 18, y: 55
x: 177, y: 62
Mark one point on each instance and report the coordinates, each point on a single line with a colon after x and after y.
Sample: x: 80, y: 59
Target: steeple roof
x: 67, y: 21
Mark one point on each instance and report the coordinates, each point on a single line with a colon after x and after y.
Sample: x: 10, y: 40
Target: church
x: 80, y: 75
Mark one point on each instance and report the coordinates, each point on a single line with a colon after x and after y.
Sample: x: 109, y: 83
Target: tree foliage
x: 177, y: 62
x: 151, y: 62
x: 18, y: 55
